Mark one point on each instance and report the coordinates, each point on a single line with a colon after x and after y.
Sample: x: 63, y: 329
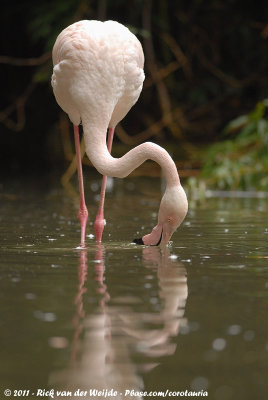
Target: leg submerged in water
x: 100, y: 221
x: 83, y: 212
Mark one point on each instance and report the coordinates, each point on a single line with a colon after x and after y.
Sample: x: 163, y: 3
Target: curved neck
x: 96, y: 149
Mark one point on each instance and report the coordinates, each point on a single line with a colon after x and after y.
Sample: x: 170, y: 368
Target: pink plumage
x: 97, y: 77
x: 98, y: 71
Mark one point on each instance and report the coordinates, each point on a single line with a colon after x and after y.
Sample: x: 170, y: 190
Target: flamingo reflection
x: 102, y: 355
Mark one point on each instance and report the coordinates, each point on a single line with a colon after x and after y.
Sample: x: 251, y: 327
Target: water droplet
x: 30, y: 296
x: 15, y: 280
x: 184, y: 329
x: 237, y: 266
x: 234, y: 329
x: 173, y: 257
x: 45, y: 316
x: 49, y: 317
x: 199, y: 383
x: 94, y: 187
x: 90, y: 236
x: 219, y: 344
x: 147, y: 285
x: 249, y: 335
x: 58, y: 342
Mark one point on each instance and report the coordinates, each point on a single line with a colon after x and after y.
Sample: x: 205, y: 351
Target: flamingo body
x: 97, y: 77
x: 98, y: 71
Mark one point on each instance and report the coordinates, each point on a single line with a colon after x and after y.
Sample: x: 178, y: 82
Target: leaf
x: 265, y: 102
x: 262, y: 129
x: 237, y: 124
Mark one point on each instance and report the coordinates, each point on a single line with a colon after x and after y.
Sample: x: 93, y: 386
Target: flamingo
x: 97, y: 78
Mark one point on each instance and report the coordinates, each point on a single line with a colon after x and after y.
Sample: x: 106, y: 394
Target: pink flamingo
x: 97, y: 77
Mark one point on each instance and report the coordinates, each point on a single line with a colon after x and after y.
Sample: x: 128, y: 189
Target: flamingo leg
x: 100, y: 221
x: 83, y: 212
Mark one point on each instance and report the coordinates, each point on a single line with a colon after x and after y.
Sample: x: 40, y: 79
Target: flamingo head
x: 172, y: 211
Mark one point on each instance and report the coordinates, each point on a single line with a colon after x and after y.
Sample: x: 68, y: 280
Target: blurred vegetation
x: 241, y: 162
x: 206, y: 64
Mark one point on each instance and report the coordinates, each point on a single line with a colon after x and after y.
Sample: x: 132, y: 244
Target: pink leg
x: 83, y: 212
x: 99, y: 221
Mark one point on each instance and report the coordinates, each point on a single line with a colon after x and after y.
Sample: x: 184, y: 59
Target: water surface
x: 118, y: 316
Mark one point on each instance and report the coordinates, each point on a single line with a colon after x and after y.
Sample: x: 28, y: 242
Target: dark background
x: 205, y: 64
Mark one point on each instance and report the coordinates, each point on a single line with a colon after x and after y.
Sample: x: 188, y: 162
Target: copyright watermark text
x: 105, y: 393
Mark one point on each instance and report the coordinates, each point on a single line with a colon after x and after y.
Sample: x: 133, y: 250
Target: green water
x: 118, y: 316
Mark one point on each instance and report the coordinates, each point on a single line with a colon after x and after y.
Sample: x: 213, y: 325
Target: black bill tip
x: 138, y: 241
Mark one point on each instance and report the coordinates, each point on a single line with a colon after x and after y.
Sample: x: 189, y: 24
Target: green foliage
x: 241, y: 162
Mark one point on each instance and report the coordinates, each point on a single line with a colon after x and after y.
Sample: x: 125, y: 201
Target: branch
x: 19, y: 106
x: 178, y: 53
x: 19, y: 103
x: 25, y: 62
x: 162, y: 73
